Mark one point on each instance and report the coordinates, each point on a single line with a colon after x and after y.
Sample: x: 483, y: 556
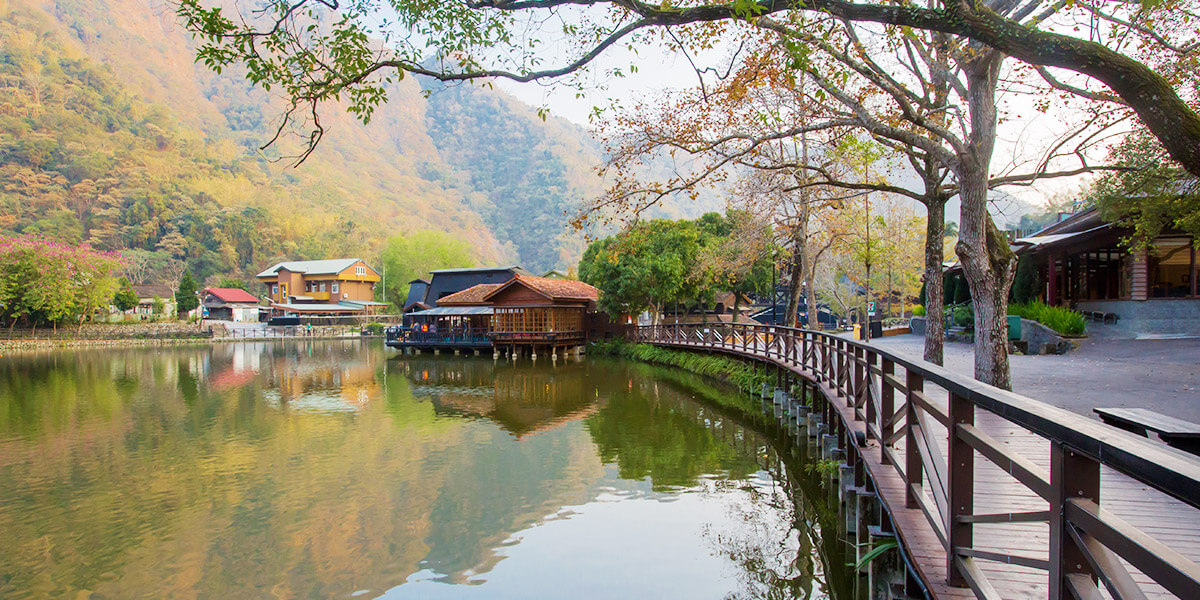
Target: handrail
x: 880, y: 403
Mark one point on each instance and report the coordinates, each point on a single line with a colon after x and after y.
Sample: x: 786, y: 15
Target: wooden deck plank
x: 995, y: 491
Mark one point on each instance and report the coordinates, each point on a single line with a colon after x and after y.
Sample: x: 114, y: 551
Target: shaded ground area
x: 1105, y: 371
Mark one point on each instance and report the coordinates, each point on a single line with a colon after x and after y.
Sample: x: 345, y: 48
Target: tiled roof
x: 472, y: 295
x: 565, y: 289
x: 313, y: 267
x: 233, y: 295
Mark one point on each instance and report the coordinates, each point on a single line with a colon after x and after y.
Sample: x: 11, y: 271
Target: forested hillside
x: 110, y: 134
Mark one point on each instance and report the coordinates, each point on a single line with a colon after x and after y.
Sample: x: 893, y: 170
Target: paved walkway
x: 1012, y: 555
x: 1161, y: 375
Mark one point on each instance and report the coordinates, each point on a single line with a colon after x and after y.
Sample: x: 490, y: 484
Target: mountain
x: 111, y: 134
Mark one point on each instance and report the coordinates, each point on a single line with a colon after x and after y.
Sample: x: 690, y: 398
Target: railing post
x: 1072, y: 475
x: 912, y: 454
x: 864, y: 384
x: 960, y: 492
x: 887, y: 407
x: 804, y: 354
x: 857, y: 387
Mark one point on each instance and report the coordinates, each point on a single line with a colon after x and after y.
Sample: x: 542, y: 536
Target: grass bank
x: 746, y: 378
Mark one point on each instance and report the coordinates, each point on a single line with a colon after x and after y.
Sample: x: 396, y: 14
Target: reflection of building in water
x: 520, y: 398
x: 319, y: 378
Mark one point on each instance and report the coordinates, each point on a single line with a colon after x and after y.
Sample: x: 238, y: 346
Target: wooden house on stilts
x: 524, y: 315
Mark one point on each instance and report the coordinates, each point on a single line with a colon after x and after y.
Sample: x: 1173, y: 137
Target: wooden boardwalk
x: 1006, y: 549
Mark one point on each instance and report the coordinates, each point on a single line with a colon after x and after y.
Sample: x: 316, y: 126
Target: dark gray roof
x: 513, y: 268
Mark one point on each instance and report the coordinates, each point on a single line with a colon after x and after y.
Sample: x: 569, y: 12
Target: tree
x: 1027, y: 286
x: 125, y: 298
x: 51, y: 282
x: 1153, y: 194
x: 644, y: 267
x: 406, y: 258
x: 231, y: 282
x: 287, y: 46
x: 186, y: 299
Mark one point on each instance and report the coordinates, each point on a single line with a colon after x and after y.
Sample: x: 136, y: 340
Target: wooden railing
x: 921, y: 419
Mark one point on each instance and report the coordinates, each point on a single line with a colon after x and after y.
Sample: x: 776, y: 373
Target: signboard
x: 871, y: 308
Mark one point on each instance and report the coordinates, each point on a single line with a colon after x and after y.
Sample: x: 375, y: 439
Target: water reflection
x: 324, y: 469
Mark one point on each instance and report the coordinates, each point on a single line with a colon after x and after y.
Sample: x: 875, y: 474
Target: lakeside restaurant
x: 522, y: 315
x: 1084, y: 264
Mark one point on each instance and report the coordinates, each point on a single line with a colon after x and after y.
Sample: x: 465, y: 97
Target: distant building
x: 1083, y: 263
x: 148, y: 293
x: 229, y: 304
x: 555, y: 274
x: 417, y: 289
x: 340, y: 286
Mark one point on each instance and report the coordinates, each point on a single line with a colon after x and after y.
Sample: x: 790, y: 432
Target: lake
x: 339, y: 469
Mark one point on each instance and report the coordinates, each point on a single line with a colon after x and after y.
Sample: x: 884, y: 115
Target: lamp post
x: 867, y: 322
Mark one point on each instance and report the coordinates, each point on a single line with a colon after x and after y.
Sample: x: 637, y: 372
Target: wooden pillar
x: 887, y: 407
x: 960, y: 492
x: 912, y: 454
x: 1140, y: 288
x: 1051, y: 279
x: 1072, y: 475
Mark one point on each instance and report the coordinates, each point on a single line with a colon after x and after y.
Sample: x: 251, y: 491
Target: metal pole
x: 774, y: 294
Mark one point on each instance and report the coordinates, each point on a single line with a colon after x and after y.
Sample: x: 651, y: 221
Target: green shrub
x: 743, y: 376
x: 918, y: 311
x: 1063, y: 320
x: 964, y: 316
x: 374, y: 328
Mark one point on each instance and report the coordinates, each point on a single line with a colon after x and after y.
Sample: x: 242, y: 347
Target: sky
x: 1024, y: 134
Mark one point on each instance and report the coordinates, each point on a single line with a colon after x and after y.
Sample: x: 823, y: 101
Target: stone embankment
x: 103, y: 334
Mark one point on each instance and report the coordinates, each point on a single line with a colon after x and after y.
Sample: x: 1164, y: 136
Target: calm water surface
x: 338, y: 470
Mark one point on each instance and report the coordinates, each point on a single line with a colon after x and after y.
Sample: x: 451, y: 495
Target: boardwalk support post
x: 1072, y: 475
x: 960, y: 493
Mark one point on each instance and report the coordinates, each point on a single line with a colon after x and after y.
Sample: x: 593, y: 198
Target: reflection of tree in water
x: 787, y: 544
x: 651, y: 430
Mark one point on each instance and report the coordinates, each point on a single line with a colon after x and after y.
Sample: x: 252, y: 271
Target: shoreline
x: 13, y: 346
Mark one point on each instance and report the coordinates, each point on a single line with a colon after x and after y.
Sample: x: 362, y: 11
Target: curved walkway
x: 1001, y: 537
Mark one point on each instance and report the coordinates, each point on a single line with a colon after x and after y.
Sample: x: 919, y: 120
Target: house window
x: 360, y: 271
x: 333, y: 287
x: 274, y: 289
x: 321, y: 286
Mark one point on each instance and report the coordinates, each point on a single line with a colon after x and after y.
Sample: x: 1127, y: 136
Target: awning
x: 446, y: 311
x: 1054, y: 239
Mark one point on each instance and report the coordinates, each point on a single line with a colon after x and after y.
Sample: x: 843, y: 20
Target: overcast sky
x: 1025, y: 134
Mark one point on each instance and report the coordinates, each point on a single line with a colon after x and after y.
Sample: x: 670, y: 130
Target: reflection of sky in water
x: 628, y: 542
x: 324, y: 470
x: 318, y: 401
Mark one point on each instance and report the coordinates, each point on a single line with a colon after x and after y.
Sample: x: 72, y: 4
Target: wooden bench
x: 1102, y: 317
x: 1177, y: 433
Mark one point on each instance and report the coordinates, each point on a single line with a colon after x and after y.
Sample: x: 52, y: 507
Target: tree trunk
x: 987, y: 261
x: 797, y: 277
x: 935, y: 313
x: 810, y: 297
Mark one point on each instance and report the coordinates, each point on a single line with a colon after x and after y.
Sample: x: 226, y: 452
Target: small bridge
x: 991, y: 494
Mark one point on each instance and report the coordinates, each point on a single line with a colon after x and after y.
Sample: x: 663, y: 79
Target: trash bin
x: 1014, y: 327
x: 857, y: 332
x: 876, y: 329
